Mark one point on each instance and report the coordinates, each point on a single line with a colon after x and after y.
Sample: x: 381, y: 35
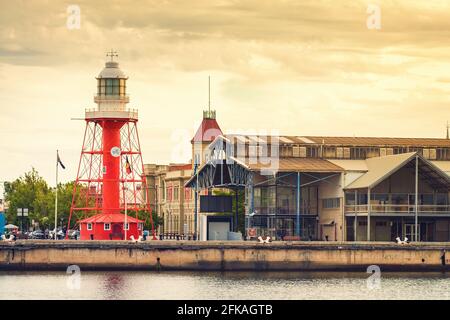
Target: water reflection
x: 114, y: 286
x: 224, y: 285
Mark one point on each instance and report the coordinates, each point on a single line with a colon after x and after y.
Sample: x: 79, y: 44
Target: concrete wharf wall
x: 224, y: 256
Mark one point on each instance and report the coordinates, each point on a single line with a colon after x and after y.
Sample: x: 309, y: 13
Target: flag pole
x: 125, y: 198
x: 56, y: 195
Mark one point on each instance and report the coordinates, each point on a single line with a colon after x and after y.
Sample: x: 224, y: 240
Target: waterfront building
x: 309, y: 188
x: 335, y: 188
x: 105, y: 226
x: 170, y: 199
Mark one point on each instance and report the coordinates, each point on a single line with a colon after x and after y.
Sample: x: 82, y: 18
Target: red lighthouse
x: 110, y: 180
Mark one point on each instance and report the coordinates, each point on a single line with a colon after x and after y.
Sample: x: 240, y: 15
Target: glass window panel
x: 441, y: 199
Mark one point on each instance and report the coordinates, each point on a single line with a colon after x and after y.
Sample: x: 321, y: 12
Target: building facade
x: 335, y: 188
x: 169, y: 197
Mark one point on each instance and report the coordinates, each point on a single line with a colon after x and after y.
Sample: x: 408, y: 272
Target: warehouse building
x: 335, y: 188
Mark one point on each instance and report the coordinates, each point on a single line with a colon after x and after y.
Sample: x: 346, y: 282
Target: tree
x: 29, y: 191
x: 32, y: 191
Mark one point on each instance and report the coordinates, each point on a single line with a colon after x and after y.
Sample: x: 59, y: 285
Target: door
x: 218, y: 230
x: 116, y: 231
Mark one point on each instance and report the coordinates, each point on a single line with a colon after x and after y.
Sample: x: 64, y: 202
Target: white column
x: 416, y: 206
x: 368, y: 214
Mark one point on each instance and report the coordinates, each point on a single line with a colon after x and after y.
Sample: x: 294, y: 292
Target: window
x: 187, y: 193
x: 140, y: 226
x: 372, y: 152
x: 111, y: 87
x: 286, y: 151
x: 331, y: 203
x: 175, y: 193
x: 329, y: 152
x: 357, y: 153
x: 169, y: 194
x: 346, y: 152
x: 127, y: 226
x: 442, y: 154
x: 303, y: 152
x: 107, y: 226
x: 89, y: 226
x: 399, y: 150
x: 122, y: 87
x: 312, y: 152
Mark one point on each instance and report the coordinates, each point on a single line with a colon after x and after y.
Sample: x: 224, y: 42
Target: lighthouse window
x: 107, y: 226
x: 101, y: 86
x: 89, y: 226
x: 112, y: 86
x: 122, y: 87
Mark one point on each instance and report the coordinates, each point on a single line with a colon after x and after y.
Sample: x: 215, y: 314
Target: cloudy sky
x: 299, y: 67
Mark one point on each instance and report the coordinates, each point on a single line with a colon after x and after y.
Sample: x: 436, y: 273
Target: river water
x: 223, y: 285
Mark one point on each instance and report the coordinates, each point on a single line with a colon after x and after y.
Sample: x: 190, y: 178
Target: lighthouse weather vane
x: 112, y: 54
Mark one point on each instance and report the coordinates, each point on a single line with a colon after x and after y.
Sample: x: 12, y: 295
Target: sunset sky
x: 299, y: 67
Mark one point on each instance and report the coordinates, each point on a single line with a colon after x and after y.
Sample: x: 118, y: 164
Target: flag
x: 127, y: 165
x: 59, y: 161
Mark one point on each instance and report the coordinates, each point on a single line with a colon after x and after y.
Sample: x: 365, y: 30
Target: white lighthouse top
x: 111, y: 96
x: 112, y: 71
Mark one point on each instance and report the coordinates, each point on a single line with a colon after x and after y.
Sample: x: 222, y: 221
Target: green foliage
x: 32, y: 191
x: 157, y: 221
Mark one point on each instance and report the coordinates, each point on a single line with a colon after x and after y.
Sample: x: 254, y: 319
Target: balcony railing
x: 397, y: 208
x: 111, y: 113
x: 111, y: 98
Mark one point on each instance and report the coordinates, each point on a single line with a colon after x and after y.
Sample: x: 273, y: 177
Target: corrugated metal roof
x: 378, y: 141
x: 110, y: 218
x: 353, y: 141
x: 380, y: 168
x: 350, y: 165
x: 295, y: 165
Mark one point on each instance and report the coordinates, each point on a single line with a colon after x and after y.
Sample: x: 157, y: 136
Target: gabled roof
x: 110, y: 218
x: 380, y: 168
